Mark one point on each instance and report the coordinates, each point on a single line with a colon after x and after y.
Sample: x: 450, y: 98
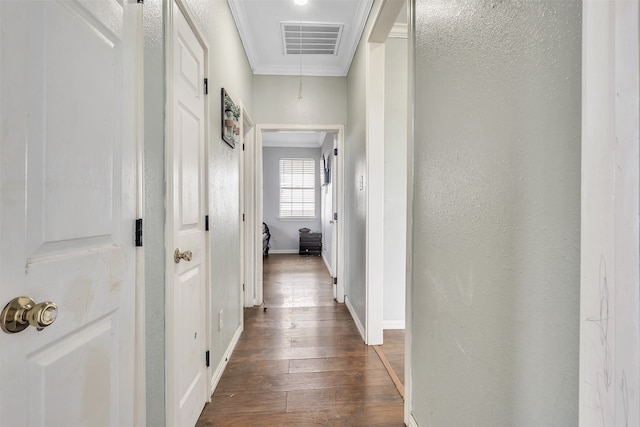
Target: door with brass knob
x: 67, y: 212
x: 187, y: 377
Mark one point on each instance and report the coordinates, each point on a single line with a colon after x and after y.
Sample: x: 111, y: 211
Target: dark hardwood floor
x: 302, y: 361
x: 392, y: 355
x: 393, y: 349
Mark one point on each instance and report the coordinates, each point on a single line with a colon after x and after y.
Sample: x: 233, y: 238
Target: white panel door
x: 188, y: 385
x: 67, y: 206
x: 334, y: 208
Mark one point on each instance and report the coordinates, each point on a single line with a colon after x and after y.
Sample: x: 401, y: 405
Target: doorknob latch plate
x: 21, y: 312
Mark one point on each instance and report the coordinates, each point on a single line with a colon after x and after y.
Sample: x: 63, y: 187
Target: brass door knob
x: 23, y: 311
x: 186, y: 255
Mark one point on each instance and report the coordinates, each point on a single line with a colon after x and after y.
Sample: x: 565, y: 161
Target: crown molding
x: 399, y: 31
x: 240, y: 18
x: 361, y: 17
x: 307, y: 71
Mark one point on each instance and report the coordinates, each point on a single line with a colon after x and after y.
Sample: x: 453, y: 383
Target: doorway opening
x: 279, y: 140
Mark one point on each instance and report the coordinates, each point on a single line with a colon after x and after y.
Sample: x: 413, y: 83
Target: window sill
x: 298, y: 219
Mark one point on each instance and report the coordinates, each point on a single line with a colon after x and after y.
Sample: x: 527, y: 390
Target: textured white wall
x: 275, y: 100
x: 284, y: 233
x: 218, y: 28
x: 355, y: 165
x: 154, y: 215
x: 395, y: 181
x: 496, y: 232
x: 354, y: 197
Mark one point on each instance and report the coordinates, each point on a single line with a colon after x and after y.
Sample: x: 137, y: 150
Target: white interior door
x: 187, y: 375
x: 259, y: 218
x: 334, y: 209
x: 243, y: 220
x: 67, y: 210
x: 250, y: 232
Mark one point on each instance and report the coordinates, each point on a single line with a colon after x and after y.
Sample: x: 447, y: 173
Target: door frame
x: 334, y: 203
x: 384, y: 25
x: 384, y: 21
x: 609, y: 254
x: 374, y: 222
x: 257, y: 198
x: 169, y: 225
x: 408, y: 318
x: 247, y: 201
x: 140, y: 403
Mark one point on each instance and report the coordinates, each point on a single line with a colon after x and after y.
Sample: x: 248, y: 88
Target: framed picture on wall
x: 325, y: 170
x: 230, y: 125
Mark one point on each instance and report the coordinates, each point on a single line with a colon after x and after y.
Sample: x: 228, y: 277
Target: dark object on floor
x: 310, y: 243
x: 266, y: 236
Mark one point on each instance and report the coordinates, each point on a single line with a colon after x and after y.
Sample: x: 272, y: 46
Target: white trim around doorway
x: 383, y: 27
x: 140, y: 404
x: 247, y: 209
x: 408, y: 417
x: 256, y: 197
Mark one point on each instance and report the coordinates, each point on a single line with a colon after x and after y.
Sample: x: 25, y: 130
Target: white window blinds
x: 297, y: 188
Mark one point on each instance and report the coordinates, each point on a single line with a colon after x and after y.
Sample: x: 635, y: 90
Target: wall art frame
x: 230, y: 123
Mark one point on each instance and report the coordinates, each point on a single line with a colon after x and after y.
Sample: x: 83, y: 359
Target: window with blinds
x: 297, y: 188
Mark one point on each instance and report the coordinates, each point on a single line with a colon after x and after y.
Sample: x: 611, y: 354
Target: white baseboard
x: 393, y: 324
x: 324, y: 258
x: 225, y: 359
x: 355, y: 318
x: 412, y: 422
x: 283, y: 251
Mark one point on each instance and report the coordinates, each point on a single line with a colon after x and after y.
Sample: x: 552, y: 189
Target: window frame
x: 311, y: 162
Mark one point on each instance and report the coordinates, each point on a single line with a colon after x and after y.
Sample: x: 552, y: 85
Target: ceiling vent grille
x: 310, y: 38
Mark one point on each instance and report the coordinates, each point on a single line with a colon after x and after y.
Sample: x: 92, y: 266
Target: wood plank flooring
x: 393, y: 349
x: 302, y: 361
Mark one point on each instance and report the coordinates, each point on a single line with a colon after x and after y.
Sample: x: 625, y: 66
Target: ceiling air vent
x: 310, y: 38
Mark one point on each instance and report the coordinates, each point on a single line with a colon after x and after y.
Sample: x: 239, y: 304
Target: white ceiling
x: 298, y: 139
x: 259, y: 25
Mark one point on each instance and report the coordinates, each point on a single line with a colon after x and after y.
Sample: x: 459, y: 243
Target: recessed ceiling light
x: 300, y: 2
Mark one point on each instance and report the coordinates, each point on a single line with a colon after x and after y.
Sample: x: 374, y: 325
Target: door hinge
x: 242, y: 217
x: 138, y: 233
x: 335, y: 151
x: 335, y: 216
x: 207, y: 358
x: 206, y: 86
x: 243, y: 287
x: 243, y: 147
x: 335, y: 280
x: 206, y: 223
